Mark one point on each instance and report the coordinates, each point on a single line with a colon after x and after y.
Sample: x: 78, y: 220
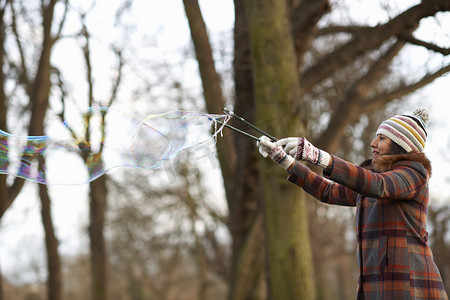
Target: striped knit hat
x: 409, y: 132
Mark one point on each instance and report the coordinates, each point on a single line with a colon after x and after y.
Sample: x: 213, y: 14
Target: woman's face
x: 380, y: 145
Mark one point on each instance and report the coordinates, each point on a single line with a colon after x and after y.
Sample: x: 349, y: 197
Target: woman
x: 390, y: 192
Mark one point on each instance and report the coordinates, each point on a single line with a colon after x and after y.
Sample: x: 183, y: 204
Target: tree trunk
x: 237, y: 154
x: 248, y: 269
x: 98, y: 195
x: 97, y: 188
x: 3, y: 102
x: 276, y: 88
x: 38, y: 95
x: 246, y: 224
x: 3, y: 141
x: 212, y: 89
x: 54, y: 289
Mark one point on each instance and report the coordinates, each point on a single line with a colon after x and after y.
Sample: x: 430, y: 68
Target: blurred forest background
x: 217, y: 222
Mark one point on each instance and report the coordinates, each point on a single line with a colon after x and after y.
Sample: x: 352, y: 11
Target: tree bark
x: 212, y: 89
x: 3, y: 124
x: 54, y: 281
x: 248, y: 269
x: 98, y: 196
x: 38, y: 95
x: 39, y: 102
x: 276, y: 88
x: 98, y: 191
x: 246, y: 226
x: 3, y: 140
x: 237, y: 154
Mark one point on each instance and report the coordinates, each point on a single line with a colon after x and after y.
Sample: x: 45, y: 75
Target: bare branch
x: 401, y: 91
x: 87, y: 60
x: 304, y: 24
x: 118, y: 79
x: 124, y: 6
x: 374, y: 38
x: 219, y: 261
x: 63, y: 20
x: 60, y: 85
x: 23, y: 72
x: 433, y: 47
x: 343, y: 29
x: 89, y: 80
x: 3, y: 4
x: 350, y: 107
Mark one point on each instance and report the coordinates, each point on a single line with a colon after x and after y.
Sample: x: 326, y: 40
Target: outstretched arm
x: 404, y: 181
x: 321, y: 188
x: 315, y: 185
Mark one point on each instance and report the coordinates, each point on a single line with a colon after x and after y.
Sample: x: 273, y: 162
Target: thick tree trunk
x: 276, y: 89
x: 246, y: 224
x: 98, y: 196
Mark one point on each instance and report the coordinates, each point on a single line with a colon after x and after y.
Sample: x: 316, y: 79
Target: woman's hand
x: 301, y: 149
x: 275, y: 152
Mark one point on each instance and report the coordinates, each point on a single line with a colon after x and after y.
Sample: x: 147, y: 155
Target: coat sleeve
x: 404, y: 181
x: 321, y: 188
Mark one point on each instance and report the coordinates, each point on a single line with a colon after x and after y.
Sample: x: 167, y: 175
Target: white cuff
x: 287, y: 161
x: 324, y: 159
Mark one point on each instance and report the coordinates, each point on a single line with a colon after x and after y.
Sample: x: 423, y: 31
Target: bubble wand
x: 238, y: 130
x: 232, y: 114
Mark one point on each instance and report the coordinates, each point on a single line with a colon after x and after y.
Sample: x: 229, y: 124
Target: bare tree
x: 163, y: 239
x: 98, y: 191
x: 34, y: 81
x: 334, y: 75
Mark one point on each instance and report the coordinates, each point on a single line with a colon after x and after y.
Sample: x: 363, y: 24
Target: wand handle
x: 229, y: 112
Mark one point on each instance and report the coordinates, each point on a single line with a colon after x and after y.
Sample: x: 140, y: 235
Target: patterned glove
x: 275, y: 152
x: 301, y: 149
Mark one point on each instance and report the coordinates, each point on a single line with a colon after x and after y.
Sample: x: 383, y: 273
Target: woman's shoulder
x: 384, y: 163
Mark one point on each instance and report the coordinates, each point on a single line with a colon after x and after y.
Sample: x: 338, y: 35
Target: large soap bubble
x: 105, y: 139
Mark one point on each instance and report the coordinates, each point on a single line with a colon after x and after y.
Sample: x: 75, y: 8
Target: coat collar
x: 385, y: 162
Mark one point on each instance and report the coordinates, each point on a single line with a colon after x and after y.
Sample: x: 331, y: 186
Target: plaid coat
x: 391, y: 197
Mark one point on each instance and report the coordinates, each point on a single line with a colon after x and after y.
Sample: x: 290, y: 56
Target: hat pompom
x: 423, y: 114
